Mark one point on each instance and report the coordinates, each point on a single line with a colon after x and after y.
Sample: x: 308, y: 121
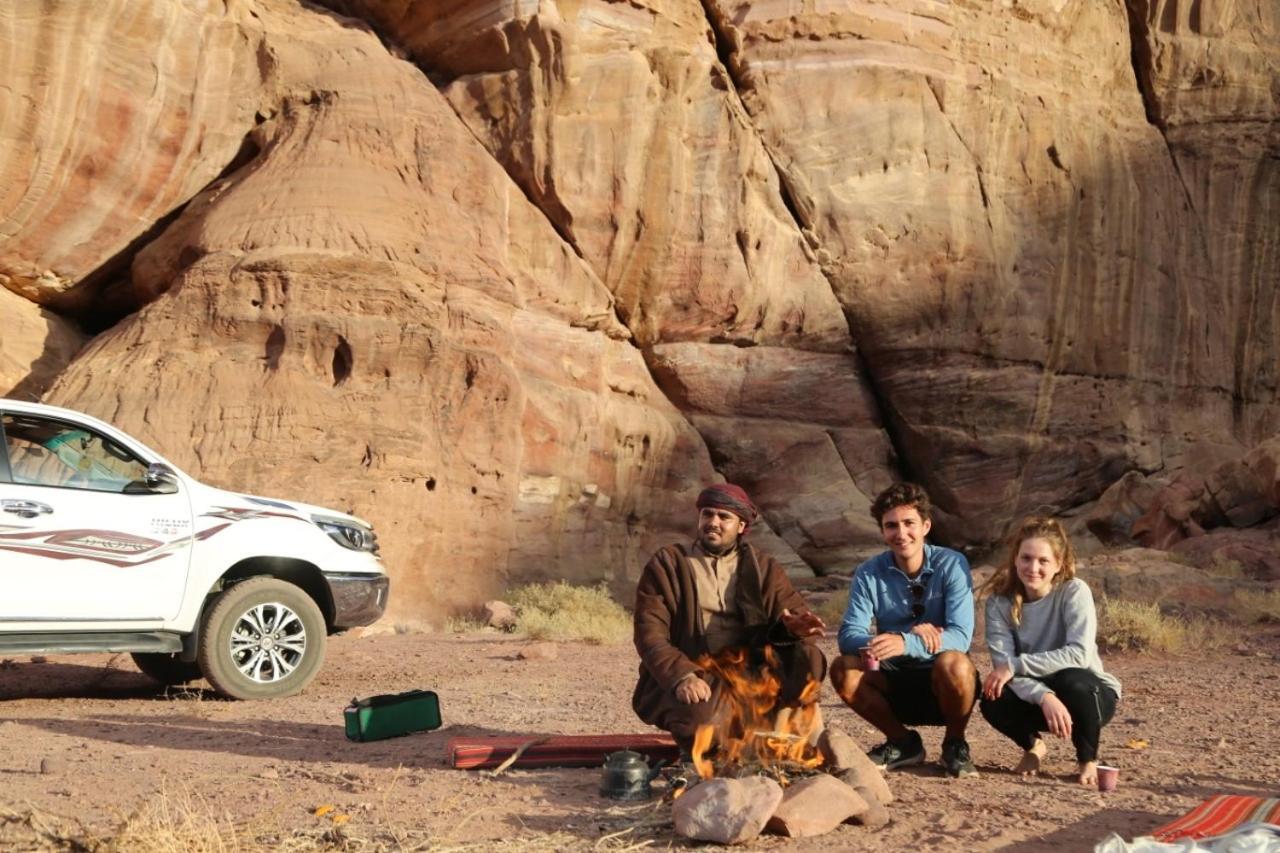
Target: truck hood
x: 278, y: 505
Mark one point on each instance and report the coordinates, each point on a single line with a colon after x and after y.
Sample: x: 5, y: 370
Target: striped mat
x: 1219, y: 815
x: 473, y: 753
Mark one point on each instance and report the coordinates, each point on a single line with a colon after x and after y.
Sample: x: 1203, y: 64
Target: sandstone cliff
x: 514, y: 280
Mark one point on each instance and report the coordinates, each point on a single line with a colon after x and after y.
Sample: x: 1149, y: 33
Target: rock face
x: 426, y: 353
x: 124, y: 112
x: 623, y: 125
x: 1208, y: 73
x: 1007, y: 232
x: 515, y: 280
x: 35, y: 346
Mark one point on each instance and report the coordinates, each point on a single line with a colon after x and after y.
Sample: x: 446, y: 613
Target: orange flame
x: 753, y: 729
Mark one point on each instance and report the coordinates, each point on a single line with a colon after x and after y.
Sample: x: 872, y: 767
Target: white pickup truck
x: 107, y: 547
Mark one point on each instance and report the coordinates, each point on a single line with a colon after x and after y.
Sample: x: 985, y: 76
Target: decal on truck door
x: 115, y: 547
x: 112, y: 547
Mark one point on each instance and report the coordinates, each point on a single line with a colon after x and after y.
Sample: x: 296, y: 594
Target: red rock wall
x: 511, y: 281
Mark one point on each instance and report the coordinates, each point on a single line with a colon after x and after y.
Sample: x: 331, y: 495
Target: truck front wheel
x: 262, y: 638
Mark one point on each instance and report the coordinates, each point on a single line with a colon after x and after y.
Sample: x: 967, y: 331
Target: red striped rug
x: 471, y: 753
x: 1219, y: 815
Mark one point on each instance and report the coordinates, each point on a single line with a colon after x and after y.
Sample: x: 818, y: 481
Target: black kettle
x: 626, y: 776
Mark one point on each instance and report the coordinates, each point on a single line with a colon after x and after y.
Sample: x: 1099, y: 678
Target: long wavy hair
x: 1006, y: 582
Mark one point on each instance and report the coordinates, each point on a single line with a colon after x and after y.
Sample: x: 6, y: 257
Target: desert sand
x: 116, y: 748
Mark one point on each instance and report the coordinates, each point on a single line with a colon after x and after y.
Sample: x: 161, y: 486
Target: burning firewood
x: 755, y: 732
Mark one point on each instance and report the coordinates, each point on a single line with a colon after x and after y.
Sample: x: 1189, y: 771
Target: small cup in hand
x: 870, y: 663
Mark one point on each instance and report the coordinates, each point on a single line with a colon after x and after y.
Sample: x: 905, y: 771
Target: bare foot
x: 1031, y: 759
x: 1089, y: 773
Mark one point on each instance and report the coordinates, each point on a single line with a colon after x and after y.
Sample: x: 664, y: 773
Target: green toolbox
x: 392, y: 715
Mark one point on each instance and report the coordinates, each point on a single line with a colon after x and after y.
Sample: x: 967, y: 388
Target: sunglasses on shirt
x: 917, y: 592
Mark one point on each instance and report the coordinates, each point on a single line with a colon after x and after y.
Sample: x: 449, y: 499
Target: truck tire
x: 169, y: 670
x: 262, y: 638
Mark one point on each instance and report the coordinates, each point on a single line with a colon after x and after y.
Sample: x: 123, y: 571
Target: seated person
x: 719, y: 591
x: 921, y: 599
x: 1042, y: 632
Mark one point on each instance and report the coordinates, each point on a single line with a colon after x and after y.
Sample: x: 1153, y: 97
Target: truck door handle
x: 25, y: 509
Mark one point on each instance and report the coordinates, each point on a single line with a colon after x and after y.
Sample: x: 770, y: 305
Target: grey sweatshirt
x: 1060, y: 631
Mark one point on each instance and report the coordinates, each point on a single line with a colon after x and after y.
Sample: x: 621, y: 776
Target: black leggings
x: 1090, y: 702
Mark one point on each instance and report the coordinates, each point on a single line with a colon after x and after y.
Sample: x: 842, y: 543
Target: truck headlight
x: 357, y: 537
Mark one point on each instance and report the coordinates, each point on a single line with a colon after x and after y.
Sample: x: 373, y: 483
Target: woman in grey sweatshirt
x: 1042, y: 633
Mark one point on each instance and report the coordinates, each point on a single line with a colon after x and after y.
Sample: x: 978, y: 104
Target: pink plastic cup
x: 870, y: 663
x: 1107, y: 777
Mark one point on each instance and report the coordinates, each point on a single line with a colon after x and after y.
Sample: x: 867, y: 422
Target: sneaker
x: 955, y: 759
x: 890, y: 755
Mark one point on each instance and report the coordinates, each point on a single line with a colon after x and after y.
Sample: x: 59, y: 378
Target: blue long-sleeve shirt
x: 881, y: 591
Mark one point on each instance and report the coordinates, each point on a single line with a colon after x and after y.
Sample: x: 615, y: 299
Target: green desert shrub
x: 560, y: 611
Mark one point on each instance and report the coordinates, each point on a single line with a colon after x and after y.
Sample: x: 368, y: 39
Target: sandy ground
x: 111, y: 743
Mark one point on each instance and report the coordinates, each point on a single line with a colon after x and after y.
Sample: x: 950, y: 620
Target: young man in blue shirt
x: 920, y: 597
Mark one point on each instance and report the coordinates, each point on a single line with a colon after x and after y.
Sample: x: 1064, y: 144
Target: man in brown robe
x: 719, y: 592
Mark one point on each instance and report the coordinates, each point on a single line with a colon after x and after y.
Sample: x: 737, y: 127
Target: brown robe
x: 669, y: 635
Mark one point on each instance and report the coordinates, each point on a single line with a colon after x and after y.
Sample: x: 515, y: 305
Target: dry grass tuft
x: 464, y: 623
x: 1250, y: 605
x: 185, y: 822
x: 1224, y: 568
x: 559, y: 611
x: 181, y: 821
x: 1140, y: 626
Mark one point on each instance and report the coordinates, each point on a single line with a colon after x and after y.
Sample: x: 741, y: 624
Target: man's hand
x: 806, y: 623
x: 693, y: 689
x: 931, y: 635
x: 1056, y: 715
x: 885, y: 646
x: 993, y: 684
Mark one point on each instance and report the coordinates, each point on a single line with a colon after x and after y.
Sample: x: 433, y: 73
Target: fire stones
x: 847, y: 759
x: 815, y: 806
x: 726, y: 811
x: 734, y: 810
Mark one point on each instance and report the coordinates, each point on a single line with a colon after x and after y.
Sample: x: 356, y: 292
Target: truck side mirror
x: 160, y: 479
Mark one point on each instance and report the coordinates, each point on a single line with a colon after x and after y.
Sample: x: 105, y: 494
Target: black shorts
x: 910, y: 691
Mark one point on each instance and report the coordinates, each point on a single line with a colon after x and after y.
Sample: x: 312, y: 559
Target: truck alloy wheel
x: 262, y: 638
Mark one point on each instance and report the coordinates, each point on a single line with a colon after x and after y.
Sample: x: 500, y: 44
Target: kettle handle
x: 657, y: 768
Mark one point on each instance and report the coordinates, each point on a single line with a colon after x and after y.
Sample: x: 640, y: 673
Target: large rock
x: 798, y: 429
x: 1140, y: 574
x: 726, y: 811
x: 1124, y: 502
x: 35, y: 346
x: 1253, y: 553
x: 845, y: 756
x: 1180, y: 509
x: 116, y: 114
x: 815, y: 806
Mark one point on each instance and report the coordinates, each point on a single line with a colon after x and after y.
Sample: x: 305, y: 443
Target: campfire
x: 752, y: 734
x: 765, y: 764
